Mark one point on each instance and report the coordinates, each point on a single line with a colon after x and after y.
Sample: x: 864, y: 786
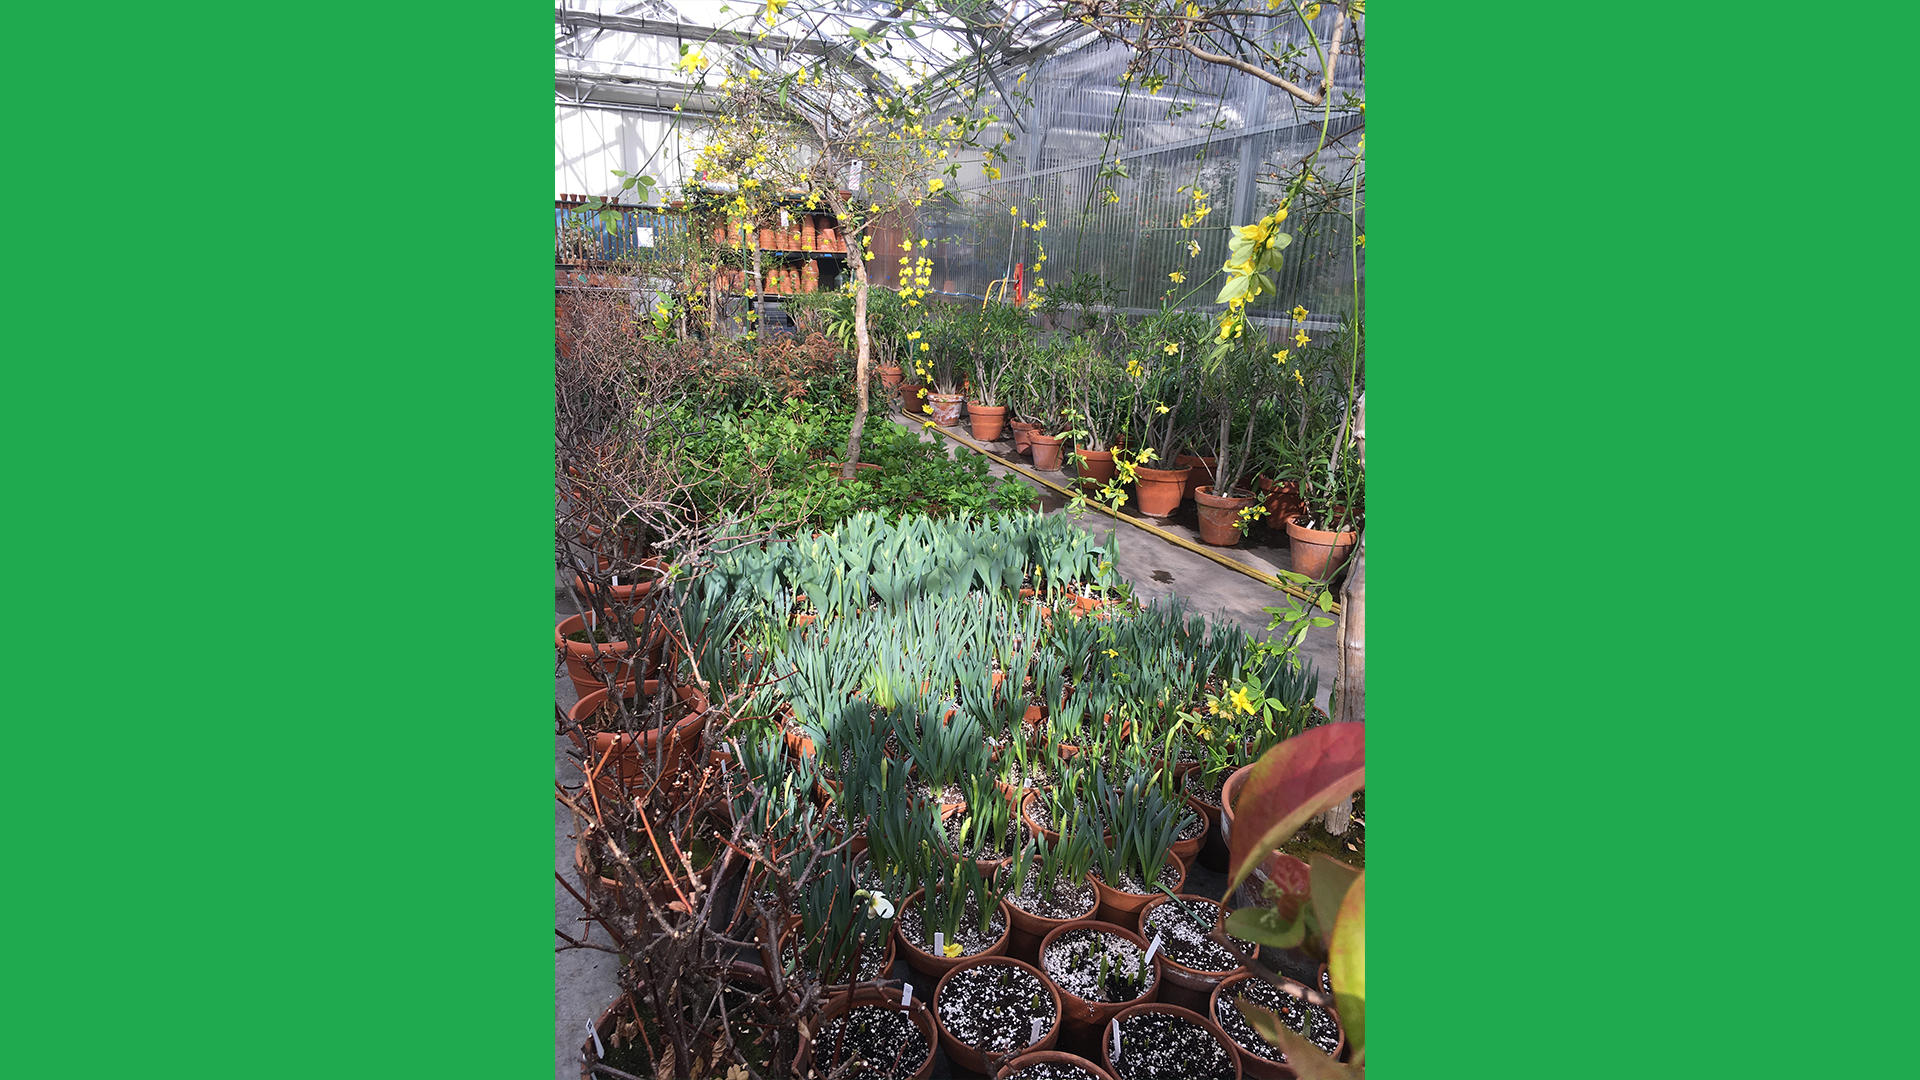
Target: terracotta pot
x: 1258, y: 1065
x: 1046, y: 451
x: 1283, y: 501
x: 840, y: 1004
x: 1317, y: 553
x: 1081, y: 1018
x: 739, y: 974
x: 1219, y: 517
x: 1194, y: 1018
x: 932, y: 966
x: 1022, y: 435
x: 767, y: 242
x: 1029, y: 929
x: 1161, y: 491
x: 891, y: 376
x: 1123, y: 908
x: 1190, y: 988
x: 985, y: 866
x: 1097, y: 465
x: 988, y: 421
x: 1185, y: 850
x: 1054, y: 1057
x: 586, y: 660
x: 945, y: 408
x: 966, y: 1056
x: 634, y: 751
x: 624, y: 593
x: 1202, y: 471
x: 662, y: 891
x: 913, y: 398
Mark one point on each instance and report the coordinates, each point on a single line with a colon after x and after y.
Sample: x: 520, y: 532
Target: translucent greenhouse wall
x: 1233, y: 136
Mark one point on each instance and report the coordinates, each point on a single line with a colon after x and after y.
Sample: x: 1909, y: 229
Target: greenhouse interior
x: 960, y: 497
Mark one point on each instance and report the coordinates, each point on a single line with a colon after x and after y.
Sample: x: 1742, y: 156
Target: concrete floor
x: 585, y: 981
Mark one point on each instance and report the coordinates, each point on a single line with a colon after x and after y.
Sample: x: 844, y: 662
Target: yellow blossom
x: 1112, y: 653
x: 1170, y: 348
x: 1241, y: 702
x: 1014, y: 210
x: 1282, y: 355
x: 1361, y: 240
x: 1177, y: 277
x: 1299, y: 313
x: 923, y: 346
x: 953, y: 947
x: 1193, y: 248
x: 1300, y: 338
x: 1299, y: 378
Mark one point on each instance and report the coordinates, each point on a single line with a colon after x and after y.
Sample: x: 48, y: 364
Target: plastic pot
x: 1183, y: 985
x: 841, y: 1004
x: 966, y: 1056
x: 1083, y: 1019
x: 1194, y: 1018
x: 931, y: 966
x: 1220, y: 516
x: 1255, y: 1065
x: 1123, y: 908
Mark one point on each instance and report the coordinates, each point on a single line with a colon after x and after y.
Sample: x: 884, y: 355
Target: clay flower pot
x: 1085, y: 1019
x: 1161, y: 491
x: 1046, y: 451
x: 1028, y: 930
x: 1122, y: 909
x: 1220, y: 517
x: 890, y: 376
x: 988, y: 422
x: 1023, y: 435
x: 840, y: 1004
x: 1053, y: 1057
x: 913, y: 398
x: 1283, y: 501
x: 629, y: 591
x: 586, y: 659
x: 1191, y: 1017
x: 932, y: 966
x: 633, y: 752
x: 1255, y: 1065
x: 1096, y: 466
x: 1318, y: 552
x: 1189, y: 987
x: 1202, y: 471
x: 946, y: 408
x: 966, y: 1056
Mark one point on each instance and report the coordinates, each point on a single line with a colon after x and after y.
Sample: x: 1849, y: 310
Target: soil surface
x: 1051, y: 1070
x: 1161, y: 1046
x: 1185, y: 943
x: 1070, y: 899
x: 879, y: 1042
x: 1311, y: 1020
x: 971, y: 941
x: 1093, y: 965
x: 992, y: 1008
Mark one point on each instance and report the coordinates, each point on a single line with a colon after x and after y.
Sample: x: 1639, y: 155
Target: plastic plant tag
x: 906, y: 995
x: 1153, y: 948
x: 1116, y: 1044
x: 599, y: 1051
x: 1039, y: 1029
x: 939, y: 943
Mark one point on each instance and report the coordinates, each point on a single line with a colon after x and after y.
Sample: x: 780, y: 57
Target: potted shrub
x: 1045, y: 386
x: 992, y: 1007
x: 1099, y: 969
x: 1159, y: 367
x: 1234, y: 378
x: 1001, y: 334
x: 1093, y: 411
x: 1299, y: 1008
x: 939, y: 344
x: 1166, y: 1042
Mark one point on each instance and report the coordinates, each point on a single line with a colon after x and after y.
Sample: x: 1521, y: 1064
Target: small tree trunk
x: 1350, y: 681
x: 861, y: 350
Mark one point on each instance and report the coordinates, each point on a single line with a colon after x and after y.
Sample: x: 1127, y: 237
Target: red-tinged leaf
x: 1308, y: 1061
x: 1331, y: 879
x: 1347, y: 963
x: 1289, y: 784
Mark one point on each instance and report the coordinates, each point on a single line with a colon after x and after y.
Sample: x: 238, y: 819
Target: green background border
x: 280, y: 385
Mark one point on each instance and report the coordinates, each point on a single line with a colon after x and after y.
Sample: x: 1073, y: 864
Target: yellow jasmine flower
x: 1193, y: 248
x: 873, y: 208
x: 934, y: 185
x: 1241, y: 702
x: 1300, y: 337
x: 923, y: 346
x: 1112, y: 653
x: 1282, y: 355
x: 953, y: 947
x: 1299, y: 313
x: 1170, y: 348
x: 1041, y: 224
x: 1014, y: 210
x: 1361, y: 240
x: 1299, y: 378
x: 923, y: 241
x: 1177, y: 277
x: 1161, y: 410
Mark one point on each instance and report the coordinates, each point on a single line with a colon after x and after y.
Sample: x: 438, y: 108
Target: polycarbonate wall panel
x: 1232, y: 136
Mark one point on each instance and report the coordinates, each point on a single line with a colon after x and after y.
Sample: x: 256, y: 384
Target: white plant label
x: 1116, y: 1043
x: 939, y: 943
x: 599, y: 1051
x: 1153, y: 948
x: 616, y: 581
x: 906, y: 995
x: 1039, y: 1029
